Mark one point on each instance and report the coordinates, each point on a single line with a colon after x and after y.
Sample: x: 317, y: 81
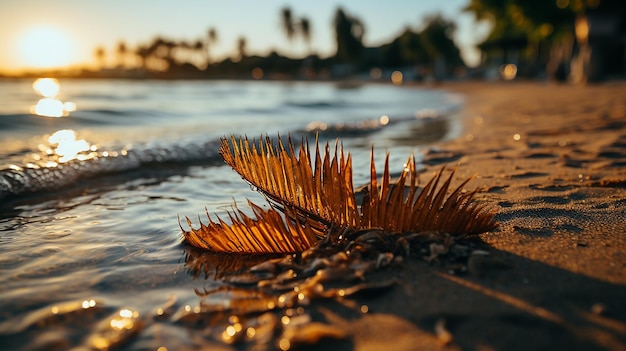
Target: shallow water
x: 88, y: 221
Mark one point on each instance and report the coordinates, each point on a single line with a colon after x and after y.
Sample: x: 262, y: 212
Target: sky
x: 53, y: 33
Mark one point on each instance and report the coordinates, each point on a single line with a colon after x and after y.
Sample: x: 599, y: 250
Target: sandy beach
x: 551, y: 160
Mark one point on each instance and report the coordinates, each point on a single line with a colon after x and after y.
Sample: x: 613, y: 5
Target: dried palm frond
x: 320, y: 196
x: 322, y: 192
x: 267, y: 233
x: 402, y: 207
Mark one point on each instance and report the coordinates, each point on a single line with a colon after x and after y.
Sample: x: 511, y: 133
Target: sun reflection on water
x: 48, y: 87
x: 50, y: 105
x: 67, y: 147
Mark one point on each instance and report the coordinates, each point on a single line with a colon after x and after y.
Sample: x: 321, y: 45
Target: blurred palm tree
x: 122, y: 52
x: 305, y: 30
x: 241, y: 48
x: 349, y: 33
x: 288, y: 23
x: 143, y: 53
x: 210, y: 40
x: 199, y: 48
x: 159, y: 54
x: 100, y: 54
x: 292, y: 27
x: 437, y: 39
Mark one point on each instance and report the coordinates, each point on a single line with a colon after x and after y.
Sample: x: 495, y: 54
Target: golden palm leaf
x: 322, y: 191
x: 266, y: 233
x: 317, y: 196
x: 402, y: 207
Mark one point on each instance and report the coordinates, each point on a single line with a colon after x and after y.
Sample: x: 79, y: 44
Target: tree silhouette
x: 293, y: 28
x: 532, y: 26
x: 210, y: 40
x: 159, y: 56
x: 305, y: 30
x: 241, y: 48
x: 181, y: 58
x: 288, y: 23
x: 199, y: 49
x: 122, y: 51
x: 100, y: 54
x: 143, y: 53
x: 349, y: 33
x: 406, y: 50
x: 436, y: 39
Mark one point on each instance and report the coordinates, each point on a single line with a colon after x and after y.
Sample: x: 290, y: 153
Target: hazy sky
x: 78, y: 26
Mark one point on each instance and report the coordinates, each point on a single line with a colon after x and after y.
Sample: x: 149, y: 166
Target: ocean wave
x: 30, y: 178
x: 82, y: 118
x: 27, y: 121
x: 50, y: 174
x: 370, y: 126
x: 111, y: 97
x: 316, y: 104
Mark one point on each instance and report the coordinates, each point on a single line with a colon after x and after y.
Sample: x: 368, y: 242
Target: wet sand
x: 551, y: 159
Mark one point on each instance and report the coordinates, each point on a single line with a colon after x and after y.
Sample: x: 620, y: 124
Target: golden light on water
x: 47, y: 87
x: 384, y: 120
x: 66, y: 146
x: 125, y: 320
x: 284, y: 344
x: 120, y: 326
x: 69, y: 106
x: 88, y: 304
x: 50, y: 105
x: 126, y: 313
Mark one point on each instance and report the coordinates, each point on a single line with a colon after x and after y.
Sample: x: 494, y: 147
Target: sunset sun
x: 46, y: 47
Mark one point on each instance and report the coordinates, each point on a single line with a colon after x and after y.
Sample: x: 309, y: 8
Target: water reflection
x: 47, y: 87
x: 50, y: 105
x: 63, y: 146
x: 67, y: 147
x: 219, y: 266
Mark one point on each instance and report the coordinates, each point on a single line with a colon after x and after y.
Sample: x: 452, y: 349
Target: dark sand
x: 551, y: 159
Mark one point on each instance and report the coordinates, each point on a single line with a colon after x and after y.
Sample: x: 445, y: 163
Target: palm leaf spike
x: 268, y: 232
x: 424, y: 202
x: 370, y: 199
x: 394, y: 214
x: 384, y: 193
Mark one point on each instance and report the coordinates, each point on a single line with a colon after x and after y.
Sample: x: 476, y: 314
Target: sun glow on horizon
x: 46, y: 47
